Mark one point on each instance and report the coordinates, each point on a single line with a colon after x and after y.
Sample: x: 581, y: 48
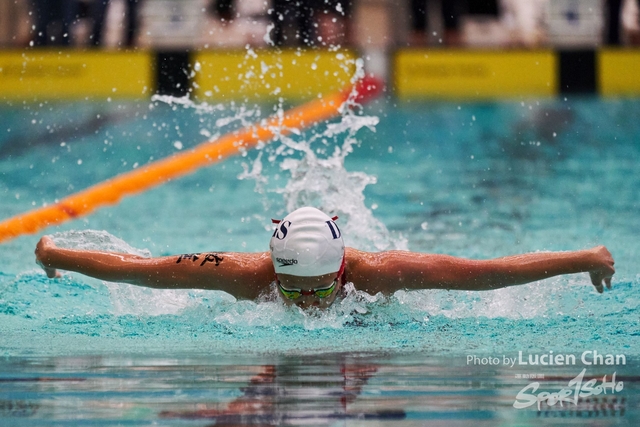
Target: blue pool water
x: 471, y: 180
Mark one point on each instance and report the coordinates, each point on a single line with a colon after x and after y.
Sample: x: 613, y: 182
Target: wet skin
x: 248, y: 275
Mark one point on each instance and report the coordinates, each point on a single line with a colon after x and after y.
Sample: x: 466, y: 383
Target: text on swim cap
x: 282, y: 230
x: 335, y: 231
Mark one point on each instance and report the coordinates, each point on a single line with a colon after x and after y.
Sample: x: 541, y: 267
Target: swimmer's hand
x: 602, y: 268
x: 44, y: 248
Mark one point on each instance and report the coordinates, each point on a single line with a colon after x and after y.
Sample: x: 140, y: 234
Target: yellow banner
x: 474, y: 74
x: 71, y: 74
x: 265, y: 74
x: 619, y: 72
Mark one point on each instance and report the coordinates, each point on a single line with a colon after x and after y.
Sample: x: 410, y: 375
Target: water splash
x: 555, y: 297
x: 96, y: 240
x: 314, y: 163
x: 125, y: 298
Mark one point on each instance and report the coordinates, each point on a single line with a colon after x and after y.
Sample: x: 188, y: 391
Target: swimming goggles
x: 297, y: 293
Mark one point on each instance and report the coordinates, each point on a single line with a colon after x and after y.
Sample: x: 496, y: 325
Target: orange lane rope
x: 136, y: 181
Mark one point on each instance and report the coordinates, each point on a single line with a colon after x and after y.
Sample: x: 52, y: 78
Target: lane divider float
x: 110, y: 192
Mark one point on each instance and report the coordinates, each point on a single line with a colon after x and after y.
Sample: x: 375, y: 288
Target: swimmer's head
x: 307, y: 243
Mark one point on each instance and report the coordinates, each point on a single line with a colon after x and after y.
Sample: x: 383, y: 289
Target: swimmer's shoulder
x: 353, y: 257
x: 362, y: 269
x: 357, y: 259
x: 375, y: 272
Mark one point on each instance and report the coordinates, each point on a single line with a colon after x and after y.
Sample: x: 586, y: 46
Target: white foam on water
x: 95, y: 240
x: 125, y: 298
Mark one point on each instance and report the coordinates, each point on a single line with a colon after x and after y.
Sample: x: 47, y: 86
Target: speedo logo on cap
x: 285, y: 262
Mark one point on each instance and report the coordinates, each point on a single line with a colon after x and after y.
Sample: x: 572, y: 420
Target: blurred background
x: 379, y: 31
x: 362, y: 24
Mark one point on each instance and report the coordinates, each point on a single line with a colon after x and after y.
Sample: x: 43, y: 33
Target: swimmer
x: 310, y: 264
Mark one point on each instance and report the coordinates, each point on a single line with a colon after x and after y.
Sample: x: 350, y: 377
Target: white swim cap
x: 307, y: 242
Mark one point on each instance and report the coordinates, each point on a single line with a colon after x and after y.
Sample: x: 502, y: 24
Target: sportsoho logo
x: 576, y: 389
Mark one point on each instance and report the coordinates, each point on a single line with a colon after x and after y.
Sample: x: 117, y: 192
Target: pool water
x: 475, y: 180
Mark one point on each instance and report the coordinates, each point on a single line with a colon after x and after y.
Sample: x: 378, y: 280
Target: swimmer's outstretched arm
x: 394, y: 270
x: 243, y: 275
